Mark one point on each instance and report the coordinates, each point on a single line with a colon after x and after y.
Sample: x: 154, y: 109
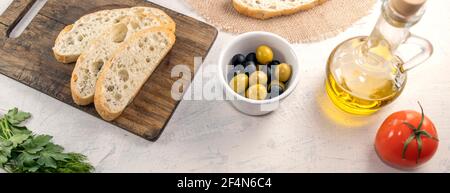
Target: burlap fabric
x: 319, y: 23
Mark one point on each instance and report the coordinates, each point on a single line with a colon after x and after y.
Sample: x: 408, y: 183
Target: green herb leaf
x: 5, y: 150
x: 21, y: 151
x: 16, y: 130
x: 54, y: 148
x: 3, y: 159
x: 36, y: 144
x: 15, y: 117
x: 47, y: 161
x: 5, y: 143
x: 28, y: 162
x: 55, y: 152
x: 18, y: 139
x: 42, y: 140
x: 76, y: 164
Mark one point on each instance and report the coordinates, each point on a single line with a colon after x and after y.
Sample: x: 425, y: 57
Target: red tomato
x: 406, y: 139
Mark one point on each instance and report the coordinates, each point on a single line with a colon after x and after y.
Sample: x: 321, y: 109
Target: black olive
x: 239, y: 69
x: 270, y: 73
x: 251, y: 57
x: 268, y: 70
x: 249, y: 63
x: 238, y: 59
x: 274, y: 63
x: 250, y: 68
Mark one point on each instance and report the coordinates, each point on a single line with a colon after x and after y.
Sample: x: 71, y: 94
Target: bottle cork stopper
x: 407, y: 7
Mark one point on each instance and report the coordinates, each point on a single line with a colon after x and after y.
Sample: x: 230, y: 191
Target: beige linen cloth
x: 324, y: 21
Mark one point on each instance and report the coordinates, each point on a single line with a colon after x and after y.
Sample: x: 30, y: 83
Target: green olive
x: 283, y: 72
x: 276, y: 88
x: 277, y: 83
x: 239, y: 83
x: 264, y: 54
x: 258, y: 77
x: 257, y: 92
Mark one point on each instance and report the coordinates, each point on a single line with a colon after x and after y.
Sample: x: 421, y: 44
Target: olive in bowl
x: 238, y: 59
x: 283, y: 72
x: 273, y: 74
x: 251, y: 57
x: 276, y: 88
x: 235, y: 70
x: 239, y: 83
x: 250, y: 68
x: 258, y: 99
x: 264, y: 54
x: 258, y: 77
x: 257, y: 92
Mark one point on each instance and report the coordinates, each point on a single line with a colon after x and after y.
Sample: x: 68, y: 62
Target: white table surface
x: 307, y: 134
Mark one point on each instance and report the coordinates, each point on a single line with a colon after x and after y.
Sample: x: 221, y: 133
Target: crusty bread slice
x: 74, y: 39
x: 265, y: 9
x: 161, y: 15
x: 129, y: 68
x: 99, y: 51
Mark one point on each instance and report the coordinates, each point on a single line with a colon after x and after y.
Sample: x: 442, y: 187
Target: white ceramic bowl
x: 247, y: 43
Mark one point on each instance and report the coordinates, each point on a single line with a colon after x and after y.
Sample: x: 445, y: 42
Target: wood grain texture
x: 15, y: 11
x: 29, y: 59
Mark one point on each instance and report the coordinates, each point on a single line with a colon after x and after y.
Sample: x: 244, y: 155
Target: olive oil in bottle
x: 363, y: 73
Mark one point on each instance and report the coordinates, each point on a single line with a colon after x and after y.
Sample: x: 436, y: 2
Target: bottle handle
x: 426, y: 51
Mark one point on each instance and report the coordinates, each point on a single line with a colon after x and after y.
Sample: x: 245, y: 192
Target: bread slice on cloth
x: 74, y: 38
x: 129, y: 68
x: 99, y: 51
x: 265, y: 9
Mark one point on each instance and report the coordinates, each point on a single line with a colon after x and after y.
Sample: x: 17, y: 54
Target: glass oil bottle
x: 364, y: 73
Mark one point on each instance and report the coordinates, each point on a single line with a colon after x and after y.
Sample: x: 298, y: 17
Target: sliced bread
x: 161, y: 15
x: 129, y: 68
x: 265, y: 9
x: 74, y: 39
x: 99, y: 51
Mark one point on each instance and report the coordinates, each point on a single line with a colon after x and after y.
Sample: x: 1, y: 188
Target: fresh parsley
x: 21, y: 151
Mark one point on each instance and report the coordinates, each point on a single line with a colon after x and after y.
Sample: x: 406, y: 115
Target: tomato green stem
x: 423, y: 117
x: 419, y: 147
x: 407, y: 142
x: 417, y: 134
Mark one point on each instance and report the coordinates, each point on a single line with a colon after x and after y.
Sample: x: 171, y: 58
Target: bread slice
x: 265, y: 9
x: 99, y: 51
x: 161, y: 15
x: 74, y: 39
x: 126, y: 72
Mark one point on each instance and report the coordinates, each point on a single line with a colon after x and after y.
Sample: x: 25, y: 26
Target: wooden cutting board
x: 29, y: 58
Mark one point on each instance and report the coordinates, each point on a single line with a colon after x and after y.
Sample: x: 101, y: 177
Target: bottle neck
x: 392, y: 28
